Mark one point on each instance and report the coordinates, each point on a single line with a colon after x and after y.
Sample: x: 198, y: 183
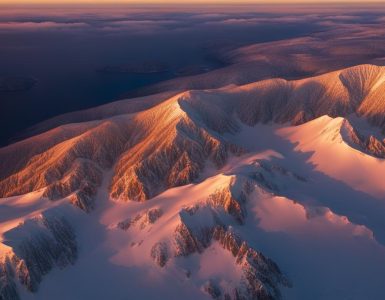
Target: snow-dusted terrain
x: 268, y: 190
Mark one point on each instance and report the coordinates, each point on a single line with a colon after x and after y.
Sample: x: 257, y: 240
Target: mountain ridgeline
x: 197, y: 176
x: 168, y: 144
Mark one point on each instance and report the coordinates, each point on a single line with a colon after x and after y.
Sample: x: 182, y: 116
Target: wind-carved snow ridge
x: 248, y: 174
x: 366, y: 143
x: 209, y: 222
x: 36, y: 246
x: 169, y: 144
x: 72, y: 168
x: 172, y: 153
x: 260, y: 278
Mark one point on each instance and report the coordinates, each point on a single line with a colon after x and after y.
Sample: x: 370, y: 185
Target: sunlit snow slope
x: 264, y: 191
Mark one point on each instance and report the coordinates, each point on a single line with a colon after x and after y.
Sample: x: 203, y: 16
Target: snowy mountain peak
x: 169, y: 186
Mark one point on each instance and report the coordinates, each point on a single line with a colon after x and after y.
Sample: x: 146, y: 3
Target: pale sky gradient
x: 183, y: 2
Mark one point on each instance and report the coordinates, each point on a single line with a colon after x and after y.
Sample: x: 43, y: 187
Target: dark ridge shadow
x: 322, y: 190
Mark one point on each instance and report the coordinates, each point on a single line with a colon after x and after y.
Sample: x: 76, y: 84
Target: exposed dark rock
x: 151, y: 216
x: 261, y: 276
x: 169, y: 144
x: 126, y: 224
x: 212, y: 289
x: 375, y: 147
x: 225, y: 199
x: 178, y: 160
x: 69, y: 166
x: 38, y: 245
x: 84, y: 197
x: 141, y: 220
x: 8, y: 290
x: 187, y: 242
x: 159, y: 253
x: 369, y: 144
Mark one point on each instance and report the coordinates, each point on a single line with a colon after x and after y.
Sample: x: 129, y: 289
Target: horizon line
x: 189, y: 2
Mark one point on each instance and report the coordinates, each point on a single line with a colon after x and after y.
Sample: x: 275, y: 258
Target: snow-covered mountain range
x: 268, y: 190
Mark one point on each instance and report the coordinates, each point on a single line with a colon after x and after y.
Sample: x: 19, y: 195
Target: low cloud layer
x: 141, y: 21
x: 46, y: 25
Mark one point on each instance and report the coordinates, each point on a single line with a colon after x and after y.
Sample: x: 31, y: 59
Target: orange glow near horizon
x: 53, y: 2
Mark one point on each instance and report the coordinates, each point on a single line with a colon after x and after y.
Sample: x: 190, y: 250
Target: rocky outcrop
x: 212, y: 289
x: 202, y: 224
x: 164, y: 147
x: 354, y: 90
x: 172, y: 152
x: 151, y: 216
x: 190, y: 240
x: 195, y: 230
x: 36, y: 246
x: 8, y: 289
x: 178, y: 160
x: 375, y: 147
x: 225, y: 200
x: 141, y: 220
x: 368, y: 144
x: 84, y: 197
x: 79, y: 184
x: 71, y: 168
x: 82, y: 172
x: 159, y: 253
x: 260, y: 278
x: 169, y: 144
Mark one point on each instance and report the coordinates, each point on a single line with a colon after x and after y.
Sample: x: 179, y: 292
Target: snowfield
x: 272, y: 190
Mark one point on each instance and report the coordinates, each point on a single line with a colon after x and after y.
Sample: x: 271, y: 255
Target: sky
x: 181, y: 2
